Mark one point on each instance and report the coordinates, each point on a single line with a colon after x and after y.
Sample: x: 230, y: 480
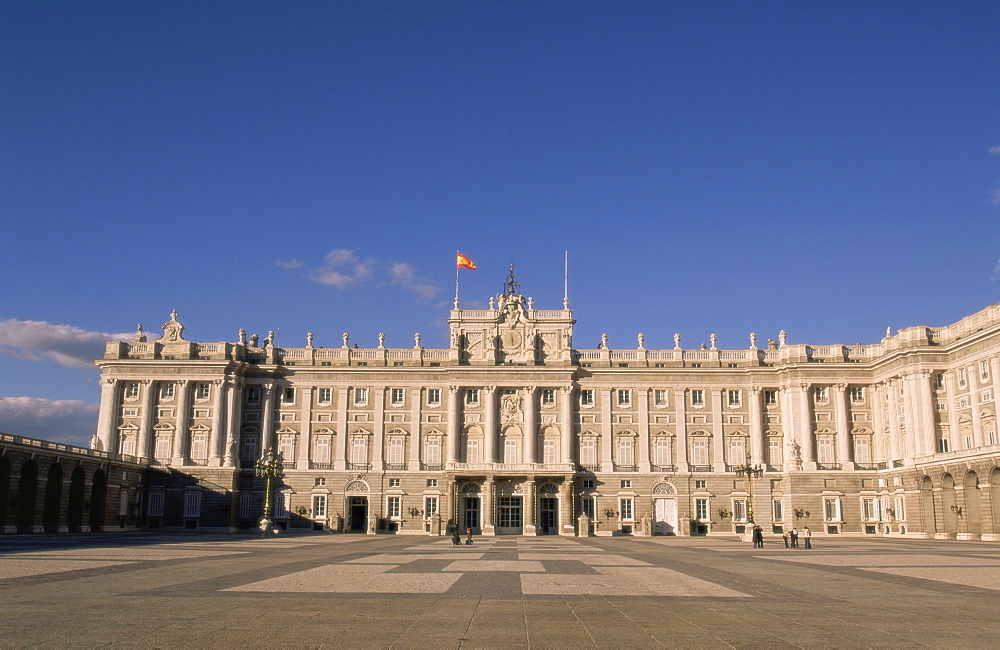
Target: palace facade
x: 513, y: 430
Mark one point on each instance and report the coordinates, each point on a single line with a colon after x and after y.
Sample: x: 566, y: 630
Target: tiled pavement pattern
x: 386, y: 591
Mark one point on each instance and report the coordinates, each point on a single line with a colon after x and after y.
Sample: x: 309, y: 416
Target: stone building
x: 513, y: 430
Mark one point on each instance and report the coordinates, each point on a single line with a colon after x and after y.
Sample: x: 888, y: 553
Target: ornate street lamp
x: 268, y: 467
x: 750, y: 472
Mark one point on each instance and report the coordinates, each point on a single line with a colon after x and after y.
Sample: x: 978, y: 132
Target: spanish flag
x: 463, y: 262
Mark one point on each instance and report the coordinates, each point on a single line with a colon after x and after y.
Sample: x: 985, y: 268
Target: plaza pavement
x: 313, y: 590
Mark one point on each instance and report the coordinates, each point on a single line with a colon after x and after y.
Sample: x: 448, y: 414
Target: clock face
x: 511, y: 339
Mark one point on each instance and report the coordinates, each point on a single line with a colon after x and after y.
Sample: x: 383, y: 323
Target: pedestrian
x: 758, y: 537
x: 468, y: 536
x: 795, y: 537
x: 785, y: 535
x: 807, y: 536
x: 451, y: 529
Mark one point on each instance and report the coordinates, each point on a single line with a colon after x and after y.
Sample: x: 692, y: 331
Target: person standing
x: 468, y: 536
x: 795, y: 537
x: 807, y: 536
x: 785, y: 536
x: 758, y: 537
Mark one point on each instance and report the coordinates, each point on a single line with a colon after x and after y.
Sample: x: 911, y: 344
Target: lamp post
x: 268, y: 467
x: 750, y: 472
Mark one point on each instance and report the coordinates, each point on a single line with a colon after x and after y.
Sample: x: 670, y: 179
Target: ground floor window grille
x: 280, y: 504
x: 246, y: 506
x: 192, y: 504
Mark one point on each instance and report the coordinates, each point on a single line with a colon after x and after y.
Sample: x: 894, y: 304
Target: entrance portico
x: 514, y: 505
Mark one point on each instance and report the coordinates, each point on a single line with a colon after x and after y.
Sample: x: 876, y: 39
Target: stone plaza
x: 318, y: 589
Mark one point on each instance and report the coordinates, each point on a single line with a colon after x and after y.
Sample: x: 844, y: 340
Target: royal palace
x: 513, y: 431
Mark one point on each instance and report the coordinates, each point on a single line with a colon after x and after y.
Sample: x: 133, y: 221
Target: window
x: 944, y: 445
x: 359, y: 451
x: 587, y: 484
x: 360, y: 395
x: 192, y: 503
x: 770, y: 397
x: 430, y: 506
x: 984, y: 369
x: 394, y: 507
x: 899, y: 505
x: 697, y: 398
x: 253, y: 394
x: 587, y: 506
x: 396, y: 445
x: 774, y: 452
x: 699, y: 451
x: 510, y: 450
x: 700, y: 485
x: 662, y: 456
x: 961, y: 378
x: 286, y: 448
x: 588, y: 452
x: 587, y: 397
x: 319, y: 506
x: 397, y: 396
x: 625, y: 507
x: 131, y: 390
x: 166, y: 391
x: 777, y: 510
x: 737, y: 450
x: 822, y: 394
x: 321, y: 454
x: 397, y: 363
x: 624, y: 397
x: 939, y: 380
x: 472, y: 396
x: 246, y: 506
x: 870, y: 509
x: 735, y: 397
x: 202, y: 391
x: 831, y: 508
x: 660, y: 397
x: 280, y: 501
x: 548, y: 397
x: 626, y: 484
x: 472, y: 451
x: 626, y: 452
x: 857, y: 393
x: 288, y: 395
x: 199, y: 447
x: 701, y: 509
x: 325, y: 395
x: 154, y: 504
x: 549, y: 446
x: 863, y: 450
x: 319, y: 482
x: 250, y: 451
x: 825, y: 450
x: 434, y: 396
x: 740, y: 510
x: 432, y: 482
x: 432, y: 451
x: 394, y: 482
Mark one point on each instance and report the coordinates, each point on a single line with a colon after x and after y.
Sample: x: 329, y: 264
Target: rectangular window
x: 434, y: 396
x: 697, y: 398
x: 586, y: 397
x: 624, y: 398
x: 740, y: 510
x: 131, y: 390
x: 857, y: 393
x: 319, y: 506
x: 359, y: 451
x: 662, y: 456
x: 396, y: 451
x: 203, y: 391
x: 626, y: 455
x: 984, y: 369
x: 777, y: 510
x: 944, y: 445
x: 548, y: 397
x: 154, y: 504
x: 166, y: 391
x: 863, y: 450
x: 322, y: 452
x: 831, y: 508
x: 900, y: 508
x: 397, y: 396
x: 280, y: 502
x: 432, y: 482
x: 246, y: 506
x: 961, y: 378
x: 588, y: 452
x: 430, y: 506
x: 288, y: 395
x: 626, y: 484
x: 472, y: 396
x: 432, y: 451
x: 735, y: 397
x: 587, y: 484
x: 701, y: 509
x: 394, y: 507
x: 626, y: 509
x: 549, y: 446
x: 319, y: 482
x: 253, y: 394
x: 360, y: 395
x: 199, y: 447
x: 394, y: 482
x: 869, y: 508
x: 325, y: 395
x: 770, y: 397
x: 250, y: 451
x: 587, y: 506
x: 192, y: 503
x: 737, y: 450
x: 472, y: 451
x: 939, y: 380
x: 774, y: 452
x: 822, y: 394
x: 510, y: 450
x: 700, y: 485
x: 825, y: 450
x: 699, y: 451
x: 660, y: 397
x: 286, y: 449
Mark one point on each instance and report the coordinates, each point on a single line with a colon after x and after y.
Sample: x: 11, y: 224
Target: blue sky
x: 826, y: 168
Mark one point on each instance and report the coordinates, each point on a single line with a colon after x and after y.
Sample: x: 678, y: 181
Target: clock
x: 511, y: 339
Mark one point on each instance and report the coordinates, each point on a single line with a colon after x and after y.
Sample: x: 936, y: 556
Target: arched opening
x: 27, y: 491
x: 53, y: 498
x: 74, y: 510
x: 948, y: 507
x: 995, y: 499
x: 927, y: 506
x: 973, y: 513
x: 98, y: 493
x: 4, y: 490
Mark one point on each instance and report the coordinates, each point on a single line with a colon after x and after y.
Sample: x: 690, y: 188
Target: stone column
x: 182, y: 437
x: 530, y: 424
x: 843, y: 427
x: 305, y: 450
x: 234, y: 401
x: 566, y: 508
x: 529, y: 508
x: 788, y: 428
x: 977, y: 422
x: 416, y: 429
x: 488, y: 507
x: 454, y: 426
x: 805, y: 425
x: 146, y: 424
x: 267, y: 419
x: 490, y: 425
x: 340, y: 447
x: 568, y: 428
x: 927, y: 422
x: 607, y: 431
x: 895, y: 440
x: 718, y: 431
x: 378, y: 435
x: 107, y: 418
x: 642, y: 396
x: 878, y: 424
x: 951, y: 389
x: 217, y: 437
x: 757, y: 446
x: 680, y: 424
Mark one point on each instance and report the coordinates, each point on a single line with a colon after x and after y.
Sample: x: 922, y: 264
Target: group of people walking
x: 790, y: 537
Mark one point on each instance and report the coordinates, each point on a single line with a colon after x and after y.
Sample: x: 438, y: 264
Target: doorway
x: 508, y: 515
x: 548, y: 515
x: 470, y: 515
x: 358, y: 514
x: 665, y: 517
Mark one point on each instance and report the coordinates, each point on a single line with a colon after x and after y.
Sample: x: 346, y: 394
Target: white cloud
x: 405, y: 276
x: 63, y: 420
x: 995, y: 150
x: 288, y: 264
x: 65, y: 344
x: 995, y: 197
x: 343, y: 269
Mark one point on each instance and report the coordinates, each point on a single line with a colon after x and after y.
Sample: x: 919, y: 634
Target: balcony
x: 701, y: 468
x: 828, y: 466
x: 626, y: 468
x: 664, y: 468
x: 589, y: 468
x: 360, y: 467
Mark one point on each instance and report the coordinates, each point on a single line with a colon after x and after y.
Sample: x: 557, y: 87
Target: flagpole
x: 456, y: 280
x: 566, y: 281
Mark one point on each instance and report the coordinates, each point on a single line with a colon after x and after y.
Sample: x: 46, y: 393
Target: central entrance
x: 358, y: 514
x: 548, y: 512
x: 508, y: 516
x: 470, y: 515
x: 665, y: 517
